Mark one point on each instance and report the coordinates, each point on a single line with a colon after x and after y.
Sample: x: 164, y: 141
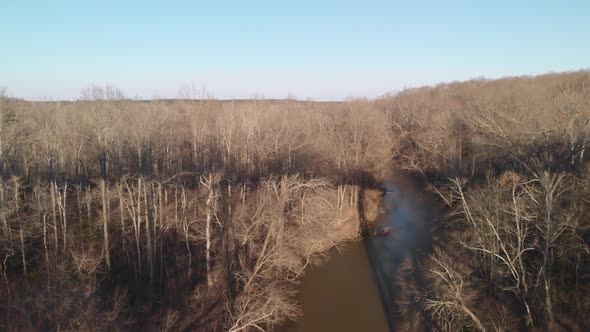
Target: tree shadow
x: 410, y: 213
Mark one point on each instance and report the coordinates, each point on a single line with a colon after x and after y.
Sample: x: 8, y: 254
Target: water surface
x: 355, y: 289
x: 340, y: 295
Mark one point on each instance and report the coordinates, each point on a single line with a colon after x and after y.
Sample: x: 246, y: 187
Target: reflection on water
x: 410, y: 213
x: 354, y: 290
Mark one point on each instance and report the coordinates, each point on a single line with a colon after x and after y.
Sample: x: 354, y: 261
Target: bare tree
x: 210, y: 183
x: 503, y: 237
x: 452, y: 298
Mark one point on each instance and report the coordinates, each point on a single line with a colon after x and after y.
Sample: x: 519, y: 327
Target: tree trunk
x: 105, y: 224
x: 88, y: 205
x: 122, y: 220
x: 474, y: 318
x: 23, y: 252
x: 22, y: 238
x: 54, y: 217
x: 1, y: 144
x: 209, y: 212
x: 185, y: 227
x: 162, y: 224
x: 148, y: 232
x: 138, y: 227
x: 45, y: 247
x: 7, y: 230
x: 229, y: 246
x: 78, y: 202
x: 62, y: 207
x: 363, y: 226
x: 549, y: 183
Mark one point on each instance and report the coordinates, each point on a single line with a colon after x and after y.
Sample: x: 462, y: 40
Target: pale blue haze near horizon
x: 323, y: 50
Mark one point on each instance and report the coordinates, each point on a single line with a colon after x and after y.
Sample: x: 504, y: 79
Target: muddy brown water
x: 354, y: 289
x: 340, y: 295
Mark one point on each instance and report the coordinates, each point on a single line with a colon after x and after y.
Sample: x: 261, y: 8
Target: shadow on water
x: 410, y: 213
x: 355, y: 290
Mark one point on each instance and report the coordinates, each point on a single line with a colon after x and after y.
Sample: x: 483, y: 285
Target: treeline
x: 244, y: 140
x: 139, y: 253
x: 202, y: 214
x: 508, y: 160
x: 183, y: 215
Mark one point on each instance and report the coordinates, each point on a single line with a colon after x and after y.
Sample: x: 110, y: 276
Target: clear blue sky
x: 324, y: 50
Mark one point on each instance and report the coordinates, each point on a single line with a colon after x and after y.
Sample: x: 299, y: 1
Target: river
x: 354, y: 290
x: 341, y: 295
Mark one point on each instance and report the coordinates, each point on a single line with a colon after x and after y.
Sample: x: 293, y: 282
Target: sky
x: 320, y: 50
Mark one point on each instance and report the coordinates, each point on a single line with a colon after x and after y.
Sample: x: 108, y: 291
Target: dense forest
x: 197, y: 214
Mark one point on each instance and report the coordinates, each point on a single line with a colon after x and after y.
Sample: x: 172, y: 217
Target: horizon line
x: 261, y: 96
